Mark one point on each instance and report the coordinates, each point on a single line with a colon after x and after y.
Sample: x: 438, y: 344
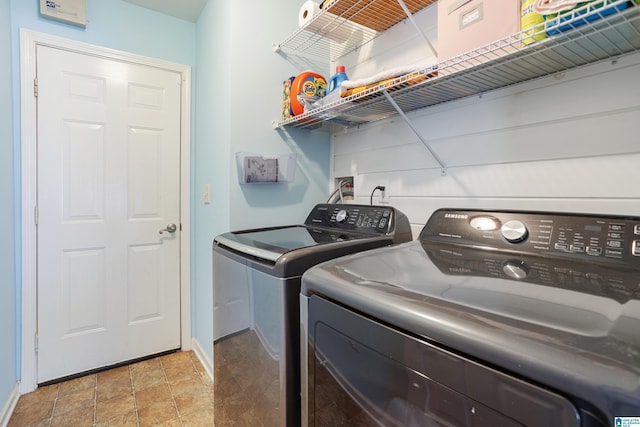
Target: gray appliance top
x: 330, y: 230
x: 548, y: 297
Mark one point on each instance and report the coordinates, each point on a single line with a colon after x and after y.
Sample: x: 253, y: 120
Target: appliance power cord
x: 379, y: 187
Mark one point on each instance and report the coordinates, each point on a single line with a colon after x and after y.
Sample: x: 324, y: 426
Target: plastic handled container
x: 310, y: 87
x: 337, y: 78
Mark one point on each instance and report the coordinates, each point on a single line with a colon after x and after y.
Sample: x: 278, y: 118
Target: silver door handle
x: 171, y: 228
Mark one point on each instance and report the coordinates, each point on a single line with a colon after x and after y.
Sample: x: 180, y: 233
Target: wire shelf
x: 588, y: 35
x: 344, y: 25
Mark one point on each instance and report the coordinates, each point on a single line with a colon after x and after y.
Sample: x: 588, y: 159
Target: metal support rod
x: 415, y: 24
x: 443, y: 168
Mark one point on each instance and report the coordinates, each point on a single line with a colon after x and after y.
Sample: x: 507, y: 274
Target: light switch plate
x: 68, y: 11
x: 206, y: 194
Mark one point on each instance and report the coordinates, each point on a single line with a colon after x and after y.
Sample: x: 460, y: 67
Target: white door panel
x: 83, y: 291
x: 108, y: 182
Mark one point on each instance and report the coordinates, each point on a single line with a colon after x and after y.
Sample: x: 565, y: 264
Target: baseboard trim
x: 10, y: 405
x: 202, y: 357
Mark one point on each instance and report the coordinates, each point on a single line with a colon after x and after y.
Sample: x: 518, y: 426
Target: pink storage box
x: 464, y: 25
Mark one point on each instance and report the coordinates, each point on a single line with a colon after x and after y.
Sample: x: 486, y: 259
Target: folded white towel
x: 547, y: 7
x: 383, y: 75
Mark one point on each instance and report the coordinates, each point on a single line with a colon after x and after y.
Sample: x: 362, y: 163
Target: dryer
x: 488, y: 318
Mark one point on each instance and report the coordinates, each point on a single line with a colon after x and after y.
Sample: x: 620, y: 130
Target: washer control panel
x: 357, y: 218
x: 577, y: 236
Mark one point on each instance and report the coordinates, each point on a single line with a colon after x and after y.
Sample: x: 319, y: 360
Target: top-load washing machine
x: 256, y: 287
x: 488, y: 319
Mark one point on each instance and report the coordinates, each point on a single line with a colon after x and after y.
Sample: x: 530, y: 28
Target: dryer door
x: 364, y: 373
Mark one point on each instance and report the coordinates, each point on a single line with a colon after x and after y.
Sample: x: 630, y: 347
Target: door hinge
x: 36, y: 342
x: 35, y: 87
x: 35, y: 215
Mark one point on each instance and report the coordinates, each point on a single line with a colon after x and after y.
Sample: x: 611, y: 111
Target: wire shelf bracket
x: 443, y: 168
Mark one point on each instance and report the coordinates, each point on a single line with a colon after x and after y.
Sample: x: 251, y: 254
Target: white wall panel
x: 382, y: 53
x: 587, y: 177
x: 562, y: 143
x: 385, y: 159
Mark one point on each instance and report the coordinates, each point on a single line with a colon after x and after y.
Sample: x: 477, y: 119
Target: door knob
x: 171, y: 228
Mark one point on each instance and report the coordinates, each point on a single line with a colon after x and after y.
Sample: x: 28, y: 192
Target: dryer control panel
x: 583, y: 237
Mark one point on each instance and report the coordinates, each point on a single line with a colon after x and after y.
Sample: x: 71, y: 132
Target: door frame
x: 28, y: 41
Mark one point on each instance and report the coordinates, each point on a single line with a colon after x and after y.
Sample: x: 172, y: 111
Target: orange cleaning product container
x: 308, y: 84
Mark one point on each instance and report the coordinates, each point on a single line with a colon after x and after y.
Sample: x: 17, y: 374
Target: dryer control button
x: 484, y: 223
x: 515, y: 270
x: 342, y: 216
x: 514, y: 231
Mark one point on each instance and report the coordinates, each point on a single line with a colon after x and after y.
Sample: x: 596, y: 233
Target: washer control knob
x: 342, y: 216
x: 514, y: 231
x: 515, y: 270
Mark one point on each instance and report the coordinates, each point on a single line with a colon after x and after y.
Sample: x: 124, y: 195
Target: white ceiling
x: 189, y: 10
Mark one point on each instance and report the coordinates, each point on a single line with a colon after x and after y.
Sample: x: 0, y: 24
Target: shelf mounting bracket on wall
x: 443, y: 169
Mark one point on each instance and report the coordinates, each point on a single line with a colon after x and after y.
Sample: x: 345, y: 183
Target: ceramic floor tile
x: 171, y: 391
x: 189, y: 387
x: 43, y: 394
x: 110, y: 389
x: 118, y: 405
x: 146, y: 378
x: 157, y: 413
x: 151, y: 395
x: 187, y: 403
x: 43, y: 423
x: 178, y: 358
x: 179, y: 373
x: 200, y: 418
x: 74, y: 401
x: 126, y: 420
x: 121, y: 374
x: 77, y: 384
x: 32, y: 414
x: 80, y: 417
x: 146, y: 365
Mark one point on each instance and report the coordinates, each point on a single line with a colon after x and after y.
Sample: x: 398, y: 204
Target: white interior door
x: 108, y: 181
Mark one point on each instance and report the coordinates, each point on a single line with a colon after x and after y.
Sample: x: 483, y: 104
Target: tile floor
x: 171, y: 390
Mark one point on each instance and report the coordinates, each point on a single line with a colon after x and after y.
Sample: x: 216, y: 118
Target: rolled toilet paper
x: 308, y: 11
x: 328, y: 25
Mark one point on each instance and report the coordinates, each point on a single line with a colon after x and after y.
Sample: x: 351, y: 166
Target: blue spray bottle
x: 337, y: 78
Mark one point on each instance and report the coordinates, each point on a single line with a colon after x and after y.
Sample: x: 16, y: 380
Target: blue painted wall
x: 236, y: 91
x: 114, y: 24
x: 210, y: 160
x: 258, y: 73
x: 239, y: 87
x: 8, y: 322
x: 119, y: 25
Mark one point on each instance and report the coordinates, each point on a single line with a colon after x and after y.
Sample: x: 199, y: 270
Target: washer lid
x: 272, y: 243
